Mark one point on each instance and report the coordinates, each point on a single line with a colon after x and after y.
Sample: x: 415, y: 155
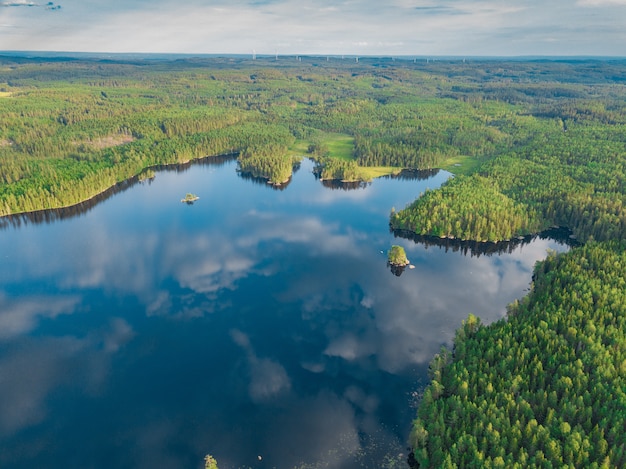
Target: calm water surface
x: 146, y: 333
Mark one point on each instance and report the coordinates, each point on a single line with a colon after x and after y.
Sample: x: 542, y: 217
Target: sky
x: 351, y: 27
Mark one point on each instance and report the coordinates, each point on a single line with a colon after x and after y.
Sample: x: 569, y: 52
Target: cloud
x: 469, y: 27
x: 19, y: 4
x: 268, y: 378
x: 20, y: 316
x: 47, y: 6
x: 119, y: 335
x: 600, y: 3
x: 30, y: 370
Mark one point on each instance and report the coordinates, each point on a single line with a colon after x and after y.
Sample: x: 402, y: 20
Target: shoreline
x: 70, y: 210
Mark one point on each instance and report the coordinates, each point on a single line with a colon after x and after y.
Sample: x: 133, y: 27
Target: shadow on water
x: 55, y: 214
x: 396, y: 269
x: 264, y: 182
x: 404, y: 175
x: 335, y: 184
x: 413, y: 174
x: 476, y: 249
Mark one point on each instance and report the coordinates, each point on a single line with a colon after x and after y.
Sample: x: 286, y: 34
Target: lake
x: 261, y: 326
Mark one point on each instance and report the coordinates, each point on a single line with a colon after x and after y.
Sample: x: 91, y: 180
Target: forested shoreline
x: 71, y: 129
x: 544, y: 388
x: 532, y: 145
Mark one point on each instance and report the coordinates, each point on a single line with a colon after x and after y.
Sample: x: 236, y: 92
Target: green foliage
x: 397, y: 256
x: 467, y: 207
x: 71, y: 129
x: 190, y: 198
x: 545, y: 388
x: 210, y: 462
x: 276, y: 168
x: 338, y: 169
x: 556, y: 173
x: 540, y: 144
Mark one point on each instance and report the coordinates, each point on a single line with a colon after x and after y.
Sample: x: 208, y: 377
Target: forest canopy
x: 548, y: 137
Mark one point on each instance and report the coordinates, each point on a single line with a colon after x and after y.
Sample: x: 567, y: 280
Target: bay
x: 261, y: 326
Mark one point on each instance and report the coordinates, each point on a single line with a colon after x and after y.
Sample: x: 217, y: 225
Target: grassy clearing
x: 5, y: 94
x: 110, y: 141
x: 459, y: 165
x: 372, y: 172
x: 339, y: 145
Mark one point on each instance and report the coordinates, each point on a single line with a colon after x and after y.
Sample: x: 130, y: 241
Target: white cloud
x: 347, y: 27
x: 599, y: 3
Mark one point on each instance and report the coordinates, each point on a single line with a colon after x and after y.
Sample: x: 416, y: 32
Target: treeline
x: 413, y: 131
x: 338, y: 170
x: 70, y: 129
x: 58, y: 182
x: 566, y: 174
x: 270, y: 162
x: 545, y: 388
x: 467, y: 208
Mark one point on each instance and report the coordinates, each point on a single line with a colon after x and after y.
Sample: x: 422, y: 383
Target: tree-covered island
x: 189, y: 198
x: 397, y: 260
x: 532, y: 144
x: 397, y: 256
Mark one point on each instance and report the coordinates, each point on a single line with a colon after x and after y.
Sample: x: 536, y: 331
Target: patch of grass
x: 372, y: 172
x: 339, y: 145
x: 5, y: 94
x: 461, y: 165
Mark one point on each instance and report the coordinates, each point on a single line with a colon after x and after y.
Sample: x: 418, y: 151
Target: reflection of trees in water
x: 52, y: 215
x: 405, y: 174
x: 263, y: 181
x: 475, y: 248
x: 396, y: 269
x: 334, y: 184
x: 413, y: 174
x: 213, y: 161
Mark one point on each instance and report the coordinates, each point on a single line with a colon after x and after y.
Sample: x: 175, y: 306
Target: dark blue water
x: 260, y: 326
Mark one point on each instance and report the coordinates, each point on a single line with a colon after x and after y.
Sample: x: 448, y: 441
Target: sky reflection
x: 253, y: 323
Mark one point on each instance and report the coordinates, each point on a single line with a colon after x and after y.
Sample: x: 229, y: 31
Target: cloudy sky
x: 360, y: 27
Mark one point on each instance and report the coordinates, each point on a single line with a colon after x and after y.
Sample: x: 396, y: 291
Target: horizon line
x: 253, y: 56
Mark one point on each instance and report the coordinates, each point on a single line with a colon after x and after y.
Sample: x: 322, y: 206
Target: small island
x: 396, y: 260
x: 397, y: 256
x: 189, y: 198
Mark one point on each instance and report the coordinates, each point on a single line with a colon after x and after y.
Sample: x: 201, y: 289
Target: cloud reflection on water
x: 293, y: 318
x: 391, y: 318
x: 21, y: 315
x: 32, y: 369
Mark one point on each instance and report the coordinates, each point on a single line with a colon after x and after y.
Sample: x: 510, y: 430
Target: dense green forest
x: 549, y: 136
x: 532, y: 145
x: 544, y: 388
x: 563, y: 165
x: 70, y: 129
